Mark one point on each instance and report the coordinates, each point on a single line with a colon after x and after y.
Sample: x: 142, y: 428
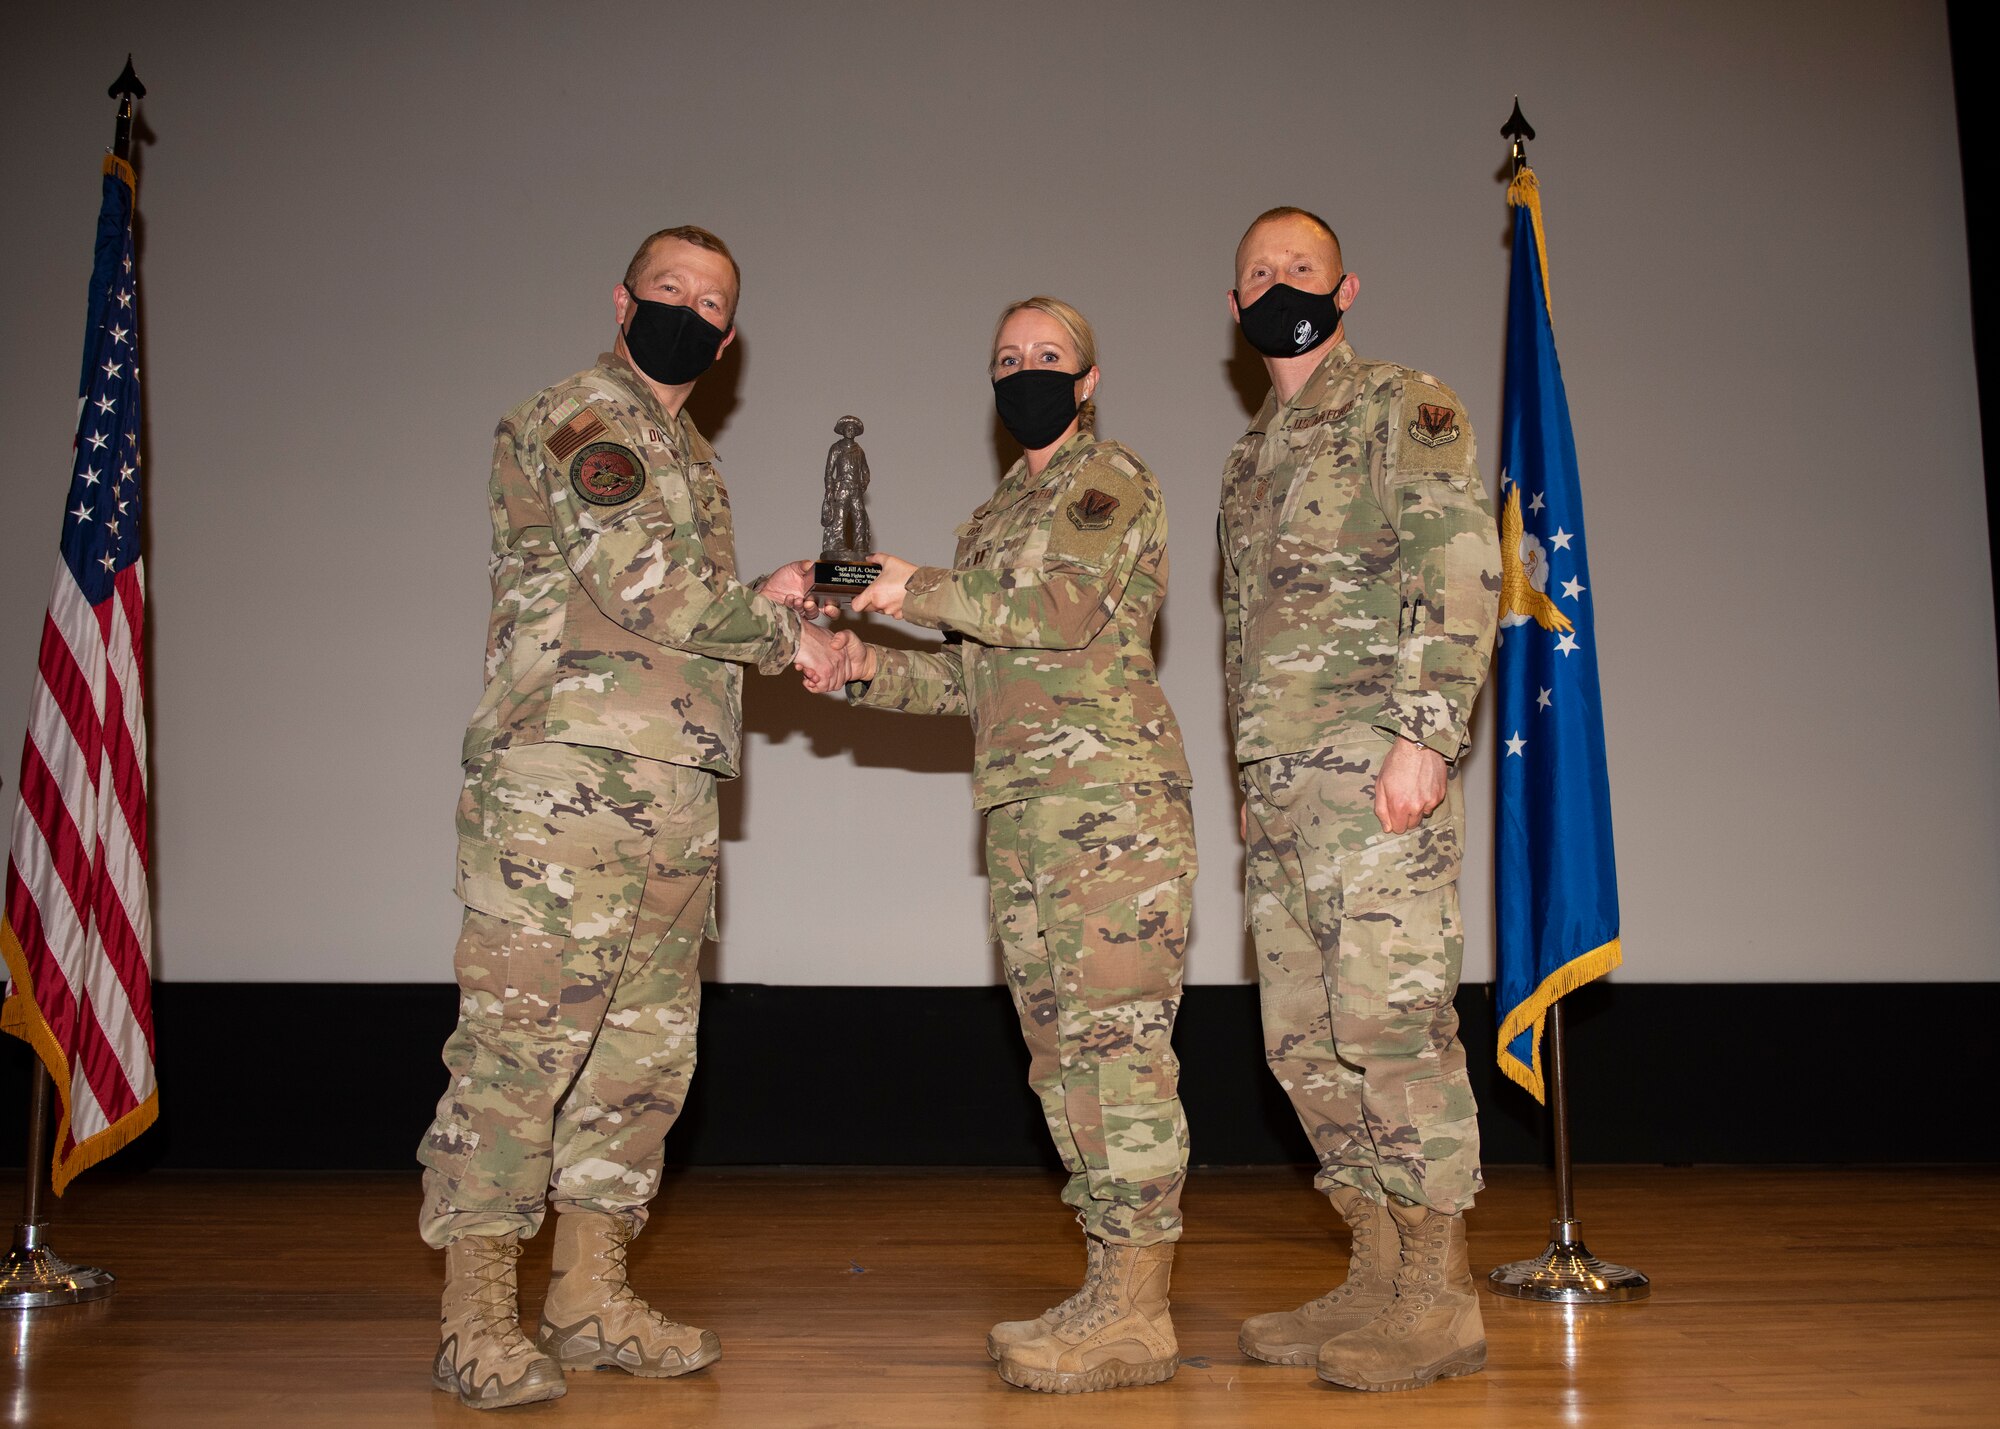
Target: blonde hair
x: 1075, y: 326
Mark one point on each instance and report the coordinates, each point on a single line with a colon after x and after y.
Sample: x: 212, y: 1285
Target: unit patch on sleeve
x: 584, y: 426
x: 1092, y: 511
x: 607, y: 474
x: 1092, y: 524
x: 1434, y: 426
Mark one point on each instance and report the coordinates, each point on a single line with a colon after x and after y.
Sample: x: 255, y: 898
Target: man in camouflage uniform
x: 587, y: 845
x: 1361, y: 576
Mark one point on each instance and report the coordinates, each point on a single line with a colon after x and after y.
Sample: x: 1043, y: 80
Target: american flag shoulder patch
x: 564, y: 439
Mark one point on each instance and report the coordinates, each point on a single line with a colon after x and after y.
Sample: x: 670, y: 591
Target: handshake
x: 830, y: 659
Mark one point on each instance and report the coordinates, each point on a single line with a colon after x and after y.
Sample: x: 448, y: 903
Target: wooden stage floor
x: 862, y: 1298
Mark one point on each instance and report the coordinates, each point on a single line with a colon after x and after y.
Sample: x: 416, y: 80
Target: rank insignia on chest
x: 1091, y: 511
x: 1435, y: 426
x: 585, y: 426
x: 607, y: 474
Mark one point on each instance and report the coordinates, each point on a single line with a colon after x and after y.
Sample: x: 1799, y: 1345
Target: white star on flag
x: 1536, y: 503
x: 1516, y: 744
x: 125, y: 300
x: 1542, y: 700
x: 1561, y: 539
x: 112, y: 369
x: 119, y: 334
x: 1572, y: 588
x: 1567, y: 645
x: 106, y: 405
x: 97, y: 441
x: 80, y: 513
x: 89, y: 476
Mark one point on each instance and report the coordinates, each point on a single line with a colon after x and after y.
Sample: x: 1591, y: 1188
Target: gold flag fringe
x: 22, y: 1016
x: 1526, y: 192
x: 1587, y: 967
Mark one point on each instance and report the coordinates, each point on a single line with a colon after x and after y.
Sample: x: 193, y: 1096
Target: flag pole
x: 31, y: 1275
x: 1565, y: 1272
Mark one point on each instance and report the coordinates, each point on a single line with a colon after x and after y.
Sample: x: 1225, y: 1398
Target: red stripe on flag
x: 127, y: 780
x: 42, y: 798
x: 93, y: 1055
x: 128, y: 959
x: 71, y: 691
x: 52, y: 989
x: 132, y: 595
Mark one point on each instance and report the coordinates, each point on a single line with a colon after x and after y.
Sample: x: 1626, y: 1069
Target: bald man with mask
x: 588, y: 838
x: 1361, y: 579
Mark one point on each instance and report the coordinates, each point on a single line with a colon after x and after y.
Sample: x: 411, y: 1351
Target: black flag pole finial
x: 128, y: 83
x: 1518, y: 129
x: 125, y: 89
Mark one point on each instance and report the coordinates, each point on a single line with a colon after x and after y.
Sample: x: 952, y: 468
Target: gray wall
x: 371, y: 228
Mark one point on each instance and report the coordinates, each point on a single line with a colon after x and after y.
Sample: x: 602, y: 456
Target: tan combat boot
x: 1432, y: 1329
x: 1121, y: 1336
x: 1294, y: 1336
x: 592, y: 1320
x: 1016, y: 1332
x: 482, y: 1355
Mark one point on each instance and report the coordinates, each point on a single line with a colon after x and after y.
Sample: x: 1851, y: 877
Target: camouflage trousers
x: 1358, y: 945
x: 588, y: 878
x: 1091, y: 894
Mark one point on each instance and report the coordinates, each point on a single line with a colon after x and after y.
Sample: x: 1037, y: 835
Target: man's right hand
x: 825, y: 670
x: 789, y: 584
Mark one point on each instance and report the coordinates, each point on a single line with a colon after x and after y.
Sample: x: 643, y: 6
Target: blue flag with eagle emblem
x: 1556, y: 879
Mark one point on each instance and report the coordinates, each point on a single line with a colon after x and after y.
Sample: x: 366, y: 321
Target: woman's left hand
x: 886, y: 592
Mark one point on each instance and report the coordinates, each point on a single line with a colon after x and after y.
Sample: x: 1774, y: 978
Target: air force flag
x: 1556, y: 880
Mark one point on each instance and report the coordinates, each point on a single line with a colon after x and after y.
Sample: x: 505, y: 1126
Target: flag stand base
x: 32, y: 1275
x: 1567, y: 1273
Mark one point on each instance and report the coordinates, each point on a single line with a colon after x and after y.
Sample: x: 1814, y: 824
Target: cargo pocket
x: 1117, y: 869
x: 507, y: 973
x: 542, y: 844
x: 1393, y: 957
x: 1145, y: 1130
x: 1445, y: 1119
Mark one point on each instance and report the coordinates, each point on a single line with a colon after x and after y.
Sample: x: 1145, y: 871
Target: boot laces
x: 1362, y: 1254
x: 1093, y: 1280
x: 617, y: 1275
x: 1418, y: 1278
x: 493, y: 1275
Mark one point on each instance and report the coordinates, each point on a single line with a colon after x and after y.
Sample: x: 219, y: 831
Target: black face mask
x: 1035, y: 406
x: 670, y: 345
x: 1285, y: 322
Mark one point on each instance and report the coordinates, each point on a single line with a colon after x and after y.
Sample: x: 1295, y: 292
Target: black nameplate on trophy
x: 843, y: 579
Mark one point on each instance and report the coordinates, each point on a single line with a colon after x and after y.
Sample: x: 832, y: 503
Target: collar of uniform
x: 1309, y: 397
x: 1271, y: 416
x: 1018, y: 483
x: 682, y: 435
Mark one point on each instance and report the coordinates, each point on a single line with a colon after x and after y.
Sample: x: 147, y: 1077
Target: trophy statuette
x: 843, y: 569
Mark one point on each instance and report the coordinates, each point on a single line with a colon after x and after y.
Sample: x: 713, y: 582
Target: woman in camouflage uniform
x: 1047, y: 611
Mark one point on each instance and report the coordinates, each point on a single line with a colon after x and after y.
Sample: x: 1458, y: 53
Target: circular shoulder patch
x: 607, y: 474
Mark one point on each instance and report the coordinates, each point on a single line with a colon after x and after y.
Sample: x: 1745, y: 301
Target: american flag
x: 78, y: 933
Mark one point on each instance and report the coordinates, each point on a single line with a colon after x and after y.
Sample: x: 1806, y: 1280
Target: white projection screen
x: 369, y: 229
